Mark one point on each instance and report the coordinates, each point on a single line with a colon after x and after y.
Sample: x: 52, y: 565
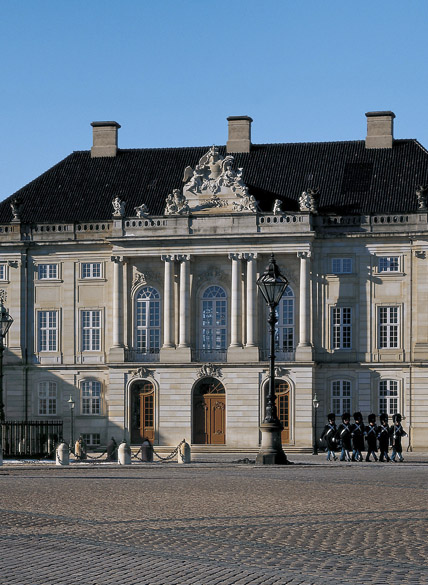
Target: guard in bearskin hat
x: 343, y: 437
x: 397, y: 432
x: 329, y: 435
x: 383, y: 437
x: 371, y: 437
x: 357, y: 433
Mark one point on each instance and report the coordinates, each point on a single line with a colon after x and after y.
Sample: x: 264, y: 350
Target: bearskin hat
x: 346, y: 416
x: 383, y: 417
x: 372, y: 418
x: 331, y: 416
x: 358, y: 416
x: 396, y: 417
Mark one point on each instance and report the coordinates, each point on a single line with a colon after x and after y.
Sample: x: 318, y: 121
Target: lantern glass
x: 5, y: 321
x: 272, y: 283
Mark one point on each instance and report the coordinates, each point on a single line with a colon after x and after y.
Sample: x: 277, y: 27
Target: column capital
x: 235, y: 256
x: 183, y: 257
x: 250, y: 256
x: 116, y: 259
x: 168, y: 257
x: 304, y: 254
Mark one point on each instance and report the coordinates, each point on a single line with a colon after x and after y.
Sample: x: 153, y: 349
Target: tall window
x: 3, y: 272
x: 341, y: 265
x: 388, y: 264
x: 91, y: 397
x: 284, y: 331
x: 341, y: 320
x: 47, y: 330
x: 47, y: 398
x: 214, y: 319
x: 91, y: 270
x: 91, y: 330
x: 47, y: 271
x: 147, y: 320
x: 340, y: 396
x: 388, y: 396
x: 388, y: 327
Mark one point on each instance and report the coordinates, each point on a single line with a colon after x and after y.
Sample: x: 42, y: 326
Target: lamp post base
x: 271, y: 452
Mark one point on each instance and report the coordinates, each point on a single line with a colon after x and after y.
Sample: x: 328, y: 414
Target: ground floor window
x: 388, y: 396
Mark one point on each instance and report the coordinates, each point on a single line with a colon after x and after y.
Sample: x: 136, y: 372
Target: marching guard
x: 397, y: 432
x: 357, y: 432
x: 329, y: 435
x: 343, y: 436
x: 371, y: 437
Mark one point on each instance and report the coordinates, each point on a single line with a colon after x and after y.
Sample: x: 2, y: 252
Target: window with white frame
x: 341, y: 321
x: 214, y: 319
x: 3, y: 271
x: 389, y: 327
x: 284, y: 330
x: 388, y: 396
x: 388, y: 264
x: 147, y: 320
x: 47, y: 271
x: 341, y: 265
x: 340, y: 396
x: 91, y: 397
x: 47, y: 330
x: 90, y: 270
x: 92, y: 439
x: 91, y: 330
x: 47, y: 398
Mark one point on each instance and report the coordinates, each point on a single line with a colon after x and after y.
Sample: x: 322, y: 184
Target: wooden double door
x: 142, y: 412
x: 282, y: 391
x: 209, y: 413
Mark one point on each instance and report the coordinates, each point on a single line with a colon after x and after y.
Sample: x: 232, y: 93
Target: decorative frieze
x: 209, y: 371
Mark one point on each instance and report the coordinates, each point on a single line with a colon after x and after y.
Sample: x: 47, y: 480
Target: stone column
x: 167, y: 301
x: 184, y: 337
x: 117, y: 348
x: 304, y: 306
x: 235, y: 308
x: 251, y: 298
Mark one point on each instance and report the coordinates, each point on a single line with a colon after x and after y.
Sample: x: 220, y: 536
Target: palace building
x: 131, y: 278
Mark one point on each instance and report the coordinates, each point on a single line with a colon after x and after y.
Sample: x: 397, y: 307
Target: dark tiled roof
x: 351, y: 179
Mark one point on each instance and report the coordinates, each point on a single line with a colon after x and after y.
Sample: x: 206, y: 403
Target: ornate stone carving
x: 422, y: 196
x: 142, y: 210
x: 308, y: 201
x: 176, y: 204
x: 277, y: 207
x: 118, y: 207
x: 142, y: 372
x: 209, y: 371
x: 142, y: 278
x: 16, y: 206
x: 3, y: 296
x: 246, y: 202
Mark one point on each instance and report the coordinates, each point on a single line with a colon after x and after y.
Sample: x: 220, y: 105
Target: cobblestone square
x: 215, y: 522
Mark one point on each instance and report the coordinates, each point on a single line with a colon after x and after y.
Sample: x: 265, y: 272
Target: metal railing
x: 132, y: 355
x: 30, y: 438
x: 209, y: 355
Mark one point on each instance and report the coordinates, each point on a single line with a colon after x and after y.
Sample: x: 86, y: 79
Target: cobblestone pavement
x: 215, y: 522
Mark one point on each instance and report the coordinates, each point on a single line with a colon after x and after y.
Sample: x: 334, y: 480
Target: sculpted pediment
x: 213, y: 186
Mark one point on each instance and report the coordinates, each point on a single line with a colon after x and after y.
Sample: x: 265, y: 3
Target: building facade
x: 131, y: 278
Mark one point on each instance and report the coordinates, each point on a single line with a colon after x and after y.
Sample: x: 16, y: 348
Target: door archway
x: 142, y: 411
x: 209, y: 413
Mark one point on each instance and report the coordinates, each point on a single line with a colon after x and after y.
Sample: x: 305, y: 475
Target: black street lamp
x: 72, y: 404
x: 315, y: 404
x: 272, y: 285
x: 5, y: 323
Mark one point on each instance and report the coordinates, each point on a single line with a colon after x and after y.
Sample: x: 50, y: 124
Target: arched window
x: 147, y: 321
x: 214, y: 323
x: 284, y: 331
x: 340, y: 396
x: 388, y: 396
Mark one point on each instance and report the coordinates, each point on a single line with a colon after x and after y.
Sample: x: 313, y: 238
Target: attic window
x: 357, y: 177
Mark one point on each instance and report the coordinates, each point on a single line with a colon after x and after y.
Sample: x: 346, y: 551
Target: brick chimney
x: 380, y: 129
x: 104, y: 139
x: 239, y: 134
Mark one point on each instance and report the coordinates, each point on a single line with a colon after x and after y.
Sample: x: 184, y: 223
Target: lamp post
x: 315, y: 404
x: 272, y: 285
x: 71, y: 403
x: 5, y: 323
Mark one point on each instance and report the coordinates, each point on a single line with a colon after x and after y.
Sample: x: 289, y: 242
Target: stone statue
x: 142, y: 210
x: 277, y: 207
x: 176, y: 204
x: 118, y: 207
x: 246, y: 202
x: 16, y: 205
x: 422, y: 196
x: 308, y: 201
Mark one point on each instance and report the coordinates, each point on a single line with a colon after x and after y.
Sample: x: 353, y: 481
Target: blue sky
x: 171, y: 71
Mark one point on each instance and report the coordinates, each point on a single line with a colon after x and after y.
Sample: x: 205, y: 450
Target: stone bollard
x: 184, y: 453
x: 62, y: 454
x: 146, y: 451
x: 124, y: 454
x: 1, y: 455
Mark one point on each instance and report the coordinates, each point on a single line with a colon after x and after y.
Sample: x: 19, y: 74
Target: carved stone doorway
x: 142, y: 411
x: 209, y: 413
